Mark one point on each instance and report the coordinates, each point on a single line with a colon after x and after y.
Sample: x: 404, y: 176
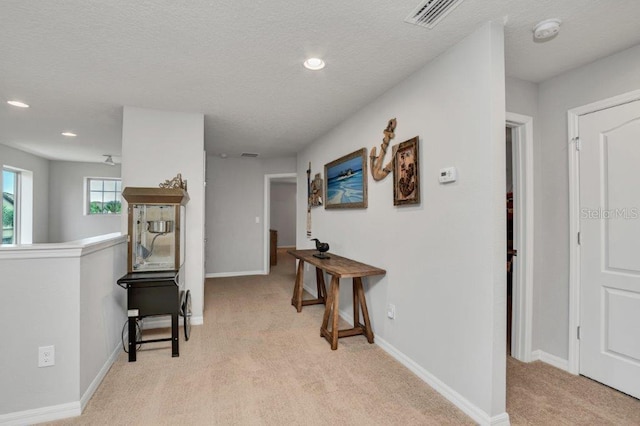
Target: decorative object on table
x: 322, y: 248
x: 316, y: 191
x: 309, y: 201
x: 175, y: 182
x: 346, y: 181
x: 406, y: 173
x: 377, y: 171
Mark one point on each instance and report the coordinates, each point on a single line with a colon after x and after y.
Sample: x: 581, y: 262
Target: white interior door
x: 610, y: 247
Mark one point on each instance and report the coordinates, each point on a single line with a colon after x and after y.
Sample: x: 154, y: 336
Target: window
x: 103, y: 196
x: 10, y: 206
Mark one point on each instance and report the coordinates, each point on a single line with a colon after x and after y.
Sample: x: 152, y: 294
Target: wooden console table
x: 338, y: 267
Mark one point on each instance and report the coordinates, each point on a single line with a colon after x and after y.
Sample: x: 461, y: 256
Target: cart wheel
x: 186, y: 314
x: 125, y: 341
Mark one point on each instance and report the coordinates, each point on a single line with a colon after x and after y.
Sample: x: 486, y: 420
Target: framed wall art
x: 406, y: 173
x: 346, y: 181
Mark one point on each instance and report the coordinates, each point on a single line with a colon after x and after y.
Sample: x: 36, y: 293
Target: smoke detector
x: 547, y: 29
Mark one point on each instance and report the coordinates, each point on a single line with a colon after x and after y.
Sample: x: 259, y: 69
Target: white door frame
x: 522, y: 299
x: 267, y: 214
x: 574, y: 217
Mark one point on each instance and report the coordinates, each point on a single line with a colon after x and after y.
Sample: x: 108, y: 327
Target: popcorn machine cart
x: 155, y: 258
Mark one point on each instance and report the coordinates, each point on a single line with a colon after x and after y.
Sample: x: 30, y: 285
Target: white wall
x: 521, y: 97
x: 611, y: 76
x: 67, y: 218
x: 52, y: 295
x: 235, y: 198
x: 102, y: 312
x: 40, y: 168
x: 156, y: 146
x: 283, y: 212
x: 40, y: 304
x: 445, y: 257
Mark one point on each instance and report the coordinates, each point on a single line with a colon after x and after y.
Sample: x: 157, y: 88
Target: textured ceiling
x: 77, y: 62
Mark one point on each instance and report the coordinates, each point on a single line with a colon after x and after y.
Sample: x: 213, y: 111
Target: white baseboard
x: 466, y: 406
x: 313, y: 292
x: 454, y: 397
x: 443, y: 389
x: 41, y: 415
x: 233, y: 274
x: 63, y: 411
x: 552, y: 360
x: 101, y: 374
x: 500, y: 420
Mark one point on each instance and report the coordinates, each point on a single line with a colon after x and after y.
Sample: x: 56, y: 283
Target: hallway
x: 257, y: 361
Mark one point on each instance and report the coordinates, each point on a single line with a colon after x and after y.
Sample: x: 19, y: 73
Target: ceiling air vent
x: 249, y: 154
x: 429, y: 12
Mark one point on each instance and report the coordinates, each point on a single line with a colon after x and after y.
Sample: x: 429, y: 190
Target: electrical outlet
x: 391, y: 311
x: 46, y: 356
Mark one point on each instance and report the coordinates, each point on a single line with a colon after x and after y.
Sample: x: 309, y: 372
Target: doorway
x: 280, y: 194
x: 512, y: 253
x: 519, y: 130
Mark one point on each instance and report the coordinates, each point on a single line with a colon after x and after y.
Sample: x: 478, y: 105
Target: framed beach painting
x: 346, y: 181
x: 406, y: 173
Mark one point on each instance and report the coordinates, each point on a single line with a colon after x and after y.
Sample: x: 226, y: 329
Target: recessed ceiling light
x: 71, y: 135
x: 18, y: 104
x: 314, y: 64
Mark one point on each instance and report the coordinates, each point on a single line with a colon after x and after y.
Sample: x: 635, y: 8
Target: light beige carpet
x: 538, y: 394
x: 256, y: 361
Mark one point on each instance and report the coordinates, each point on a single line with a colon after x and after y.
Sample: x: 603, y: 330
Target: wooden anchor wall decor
x: 377, y: 170
x: 309, y: 201
x: 314, y: 195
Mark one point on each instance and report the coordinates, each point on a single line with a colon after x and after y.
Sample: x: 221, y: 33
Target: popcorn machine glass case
x: 155, y: 224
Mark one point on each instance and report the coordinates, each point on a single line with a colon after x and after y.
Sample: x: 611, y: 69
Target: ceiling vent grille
x: 249, y: 154
x: 429, y: 12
